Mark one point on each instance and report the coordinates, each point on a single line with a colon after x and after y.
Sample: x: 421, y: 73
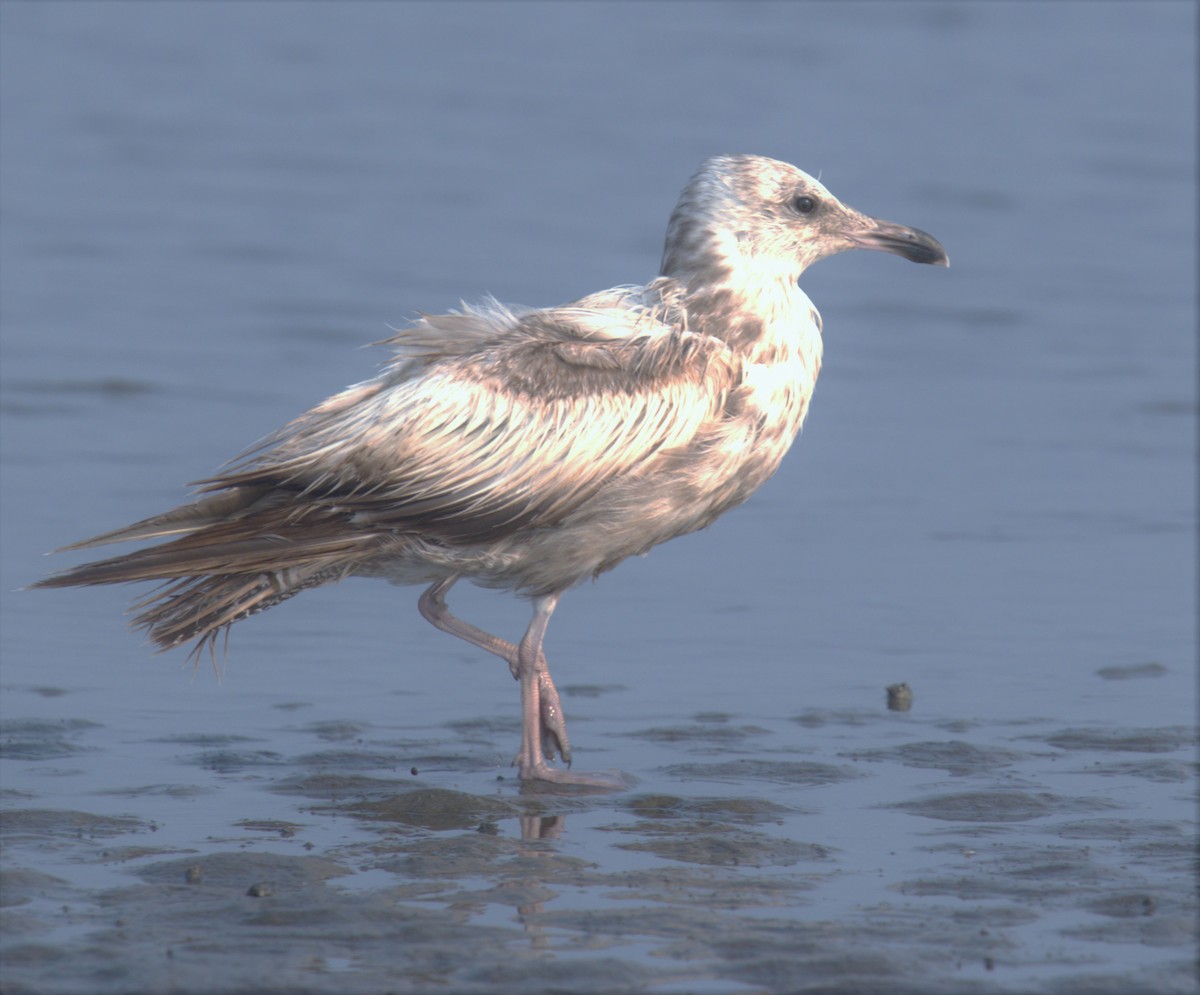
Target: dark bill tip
x: 911, y: 243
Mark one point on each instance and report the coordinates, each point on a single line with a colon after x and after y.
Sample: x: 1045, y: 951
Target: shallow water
x: 207, y: 208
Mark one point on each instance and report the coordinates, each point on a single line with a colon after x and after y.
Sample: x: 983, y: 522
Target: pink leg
x: 543, y: 725
x: 553, y: 723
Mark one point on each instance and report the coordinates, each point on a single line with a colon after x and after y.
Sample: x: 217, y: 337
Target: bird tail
x: 204, y: 608
x: 233, y: 556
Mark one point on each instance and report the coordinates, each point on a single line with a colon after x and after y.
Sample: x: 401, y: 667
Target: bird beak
x: 911, y: 243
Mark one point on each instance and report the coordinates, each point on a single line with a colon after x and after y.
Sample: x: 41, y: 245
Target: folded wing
x: 514, y: 422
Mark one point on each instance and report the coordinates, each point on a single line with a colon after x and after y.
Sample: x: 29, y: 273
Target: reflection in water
x: 538, y: 827
x: 542, y: 827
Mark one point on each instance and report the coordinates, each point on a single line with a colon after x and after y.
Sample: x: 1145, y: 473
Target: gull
x: 527, y: 449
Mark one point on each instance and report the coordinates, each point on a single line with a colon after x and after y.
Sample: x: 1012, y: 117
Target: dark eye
x: 803, y: 204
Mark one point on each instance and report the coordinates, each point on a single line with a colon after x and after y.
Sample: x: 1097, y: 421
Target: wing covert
x: 515, y: 433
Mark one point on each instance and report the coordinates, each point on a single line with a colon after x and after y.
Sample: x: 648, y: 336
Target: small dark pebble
x: 989, y: 964
x: 260, y: 890
x: 488, y: 828
x: 413, y: 771
x: 899, y: 697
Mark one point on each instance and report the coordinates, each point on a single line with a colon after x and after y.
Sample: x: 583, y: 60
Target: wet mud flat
x: 852, y: 851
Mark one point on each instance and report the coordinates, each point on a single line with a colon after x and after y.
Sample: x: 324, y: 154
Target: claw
x: 606, y: 780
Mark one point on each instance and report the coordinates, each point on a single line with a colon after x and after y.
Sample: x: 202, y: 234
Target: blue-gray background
x: 208, y: 207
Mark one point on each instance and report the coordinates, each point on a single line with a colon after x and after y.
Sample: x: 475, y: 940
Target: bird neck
x: 766, y: 318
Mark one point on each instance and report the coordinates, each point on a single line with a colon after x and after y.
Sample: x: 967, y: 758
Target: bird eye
x: 803, y: 204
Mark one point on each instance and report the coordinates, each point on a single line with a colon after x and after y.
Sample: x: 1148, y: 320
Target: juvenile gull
x: 528, y: 449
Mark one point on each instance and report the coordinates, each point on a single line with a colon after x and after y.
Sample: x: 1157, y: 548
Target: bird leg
x: 543, y: 725
x: 432, y: 605
x: 531, y: 668
x: 540, y: 706
x: 552, y: 724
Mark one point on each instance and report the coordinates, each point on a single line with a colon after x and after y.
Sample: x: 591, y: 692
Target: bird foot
x: 543, y: 773
x: 553, y: 727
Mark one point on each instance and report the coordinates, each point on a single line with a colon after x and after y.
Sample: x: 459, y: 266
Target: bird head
x: 761, y: 218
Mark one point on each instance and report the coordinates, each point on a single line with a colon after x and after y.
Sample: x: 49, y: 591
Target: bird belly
x: 681, y: 490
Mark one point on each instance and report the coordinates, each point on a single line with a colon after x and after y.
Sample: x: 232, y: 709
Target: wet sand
x: 995, y: 858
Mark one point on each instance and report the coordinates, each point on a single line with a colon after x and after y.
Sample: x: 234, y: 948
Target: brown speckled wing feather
x: 514, y: 435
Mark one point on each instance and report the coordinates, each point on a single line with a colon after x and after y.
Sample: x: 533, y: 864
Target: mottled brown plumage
x: 528, y: 449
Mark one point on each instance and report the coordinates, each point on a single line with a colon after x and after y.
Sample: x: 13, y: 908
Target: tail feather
x: 238, y: 555
x: 211, y: 553
x: 185, y: 519
x: 202, y: 608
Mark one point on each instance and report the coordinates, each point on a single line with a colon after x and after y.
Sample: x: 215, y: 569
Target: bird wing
x: 514, y: 432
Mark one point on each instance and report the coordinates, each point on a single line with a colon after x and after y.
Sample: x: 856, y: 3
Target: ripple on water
x: 1000, y: 805
x: 776, y: 771
x: 42, y: 739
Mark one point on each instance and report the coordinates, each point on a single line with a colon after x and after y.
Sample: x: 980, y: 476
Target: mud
x: 961, y: 869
